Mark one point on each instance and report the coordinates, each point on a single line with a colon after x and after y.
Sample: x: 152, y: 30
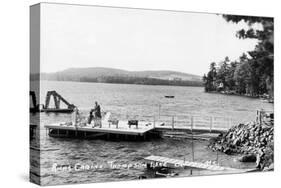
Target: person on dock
x: 97, y: 110
x: 75, y: 118
x: 91, y: 116
x: 96, y: 116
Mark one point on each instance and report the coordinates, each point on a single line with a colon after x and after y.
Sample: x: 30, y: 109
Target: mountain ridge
x: 99, y: 71
x: 112, y: 75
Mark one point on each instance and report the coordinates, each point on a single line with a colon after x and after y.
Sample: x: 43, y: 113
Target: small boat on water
x: 169, y: 96
x: 267, y: 100
x: 165, y: 172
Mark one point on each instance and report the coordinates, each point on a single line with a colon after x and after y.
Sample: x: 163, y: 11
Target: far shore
x: 122, y: 83
x: 269, y: 100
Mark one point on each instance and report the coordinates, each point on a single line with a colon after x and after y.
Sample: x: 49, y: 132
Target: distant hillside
x: 110, y: 75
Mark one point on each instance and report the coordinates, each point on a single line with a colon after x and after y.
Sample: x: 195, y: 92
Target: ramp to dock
x: 182, y: 163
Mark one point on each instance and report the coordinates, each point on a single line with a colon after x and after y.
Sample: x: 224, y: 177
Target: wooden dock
x: 105, y: 128
x: 190, y: 128
x: 173, y: 163
x: 64, y: 130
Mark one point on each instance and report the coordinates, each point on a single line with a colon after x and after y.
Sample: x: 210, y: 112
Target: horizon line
x: 48, y: 72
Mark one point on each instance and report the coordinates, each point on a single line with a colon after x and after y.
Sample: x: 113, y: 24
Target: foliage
x: 252, y: 75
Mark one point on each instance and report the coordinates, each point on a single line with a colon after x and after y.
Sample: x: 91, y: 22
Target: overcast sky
x: 130, y: 39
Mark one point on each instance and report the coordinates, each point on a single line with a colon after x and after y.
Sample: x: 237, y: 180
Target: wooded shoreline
x: 266, y: 98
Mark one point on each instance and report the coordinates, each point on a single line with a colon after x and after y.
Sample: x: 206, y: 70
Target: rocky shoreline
x: 255, y: 141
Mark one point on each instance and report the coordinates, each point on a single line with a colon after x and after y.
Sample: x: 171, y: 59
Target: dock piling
x: 154, y: 121
x: 211, y: 123
x: 191, y: 122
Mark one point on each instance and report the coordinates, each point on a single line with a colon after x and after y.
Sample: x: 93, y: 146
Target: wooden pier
x: 142, y: 130
x: 123, y: 128
x: 191, y: 127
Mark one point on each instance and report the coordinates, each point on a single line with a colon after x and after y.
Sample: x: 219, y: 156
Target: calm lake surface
x: 133, y: 101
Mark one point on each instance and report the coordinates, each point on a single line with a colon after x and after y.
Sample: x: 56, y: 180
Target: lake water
x: 133, y: 100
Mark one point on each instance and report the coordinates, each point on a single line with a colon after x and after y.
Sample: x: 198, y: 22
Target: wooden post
x: 74, y: 116
x: 192, y: 144
x: 56, y: 102
x: 153, y: 121
x: 191, y: 122
x: 211, y: 123
x: 260, y: 116
x: 159, y: 111
x: 172, y: 122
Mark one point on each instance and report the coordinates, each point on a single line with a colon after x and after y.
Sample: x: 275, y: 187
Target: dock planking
x: 142, y: 129
x: 123, y: 128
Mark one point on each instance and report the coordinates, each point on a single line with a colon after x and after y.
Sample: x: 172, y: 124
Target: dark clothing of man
x: 97, y: 111
x: 97, y: 114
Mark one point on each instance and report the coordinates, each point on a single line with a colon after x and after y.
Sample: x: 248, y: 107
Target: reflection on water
x: 131, y: 100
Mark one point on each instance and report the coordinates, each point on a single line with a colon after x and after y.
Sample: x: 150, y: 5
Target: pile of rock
x: 253, y: 140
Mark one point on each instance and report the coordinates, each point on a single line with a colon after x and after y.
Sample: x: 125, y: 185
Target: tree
x: 223, y: 73
x: 230, y: 76
x: 210, y: 79
x: 261, y: 61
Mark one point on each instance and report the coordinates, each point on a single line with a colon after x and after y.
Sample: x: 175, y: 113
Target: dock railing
x: 197, y: 122
x: 188, y: 121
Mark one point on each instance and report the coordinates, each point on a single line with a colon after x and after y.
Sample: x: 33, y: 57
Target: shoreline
x: 268, y: 100
x: 178, y: 85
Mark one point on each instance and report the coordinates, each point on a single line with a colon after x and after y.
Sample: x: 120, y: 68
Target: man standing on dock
x: 97, y: 115
x: 97, y: 110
